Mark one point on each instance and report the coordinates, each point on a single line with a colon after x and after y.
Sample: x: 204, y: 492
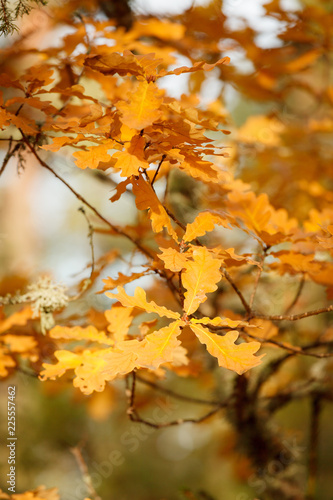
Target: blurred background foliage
x: 278, y: 108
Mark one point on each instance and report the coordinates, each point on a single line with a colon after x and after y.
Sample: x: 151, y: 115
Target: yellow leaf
x: 78, y: 333
x: 140, y: 300
x: 203, y: 223
x: 199, y: 278
x: 19, y: 343
x: 120, y: 319
x: 157, y: 347
x: 145, y: 198
x: 173, y: 260
x: 223, y: 322
x: 143, y: 108
x: 236, y: 357
x: 131, y: 160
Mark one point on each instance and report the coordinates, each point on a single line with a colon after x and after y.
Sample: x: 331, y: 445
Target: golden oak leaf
x: 254, y: 214
x: 157, y: 347
x: 223, y: 322
x: 92, y: 368
x: 93, y: 156
x: 126, y: 64
x: 173, y: 260
x: 200, y: 169
x: 200, y: 277
x: 120, y: 319
x: 19, y: 318
x: 236, y: 357
x: 122, y: 279
x: 66, y: 361
x: 204, y: 222
x: 121, y: 188
x: 146, y: 198
x: 6, y: 361
x: 143, y: 108
x: 19, y: 343
x: 131, y: 160
x: 59, y: 142
x: 198, y: 66
x: 96, y: 368
x: 139, y: 300
x: 78, y: 333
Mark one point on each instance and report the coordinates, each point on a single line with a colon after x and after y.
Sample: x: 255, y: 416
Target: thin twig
x: 297, y: 296
x: 239, y: 293
x: 76, y: 451
x: 293, y: 317
x: 91, y: 242
x: 179, y: 396
x: 135, y: 417
x: 256, y: 283
x: 294, y: 349
x: 158, y: 168
x: 9, y: 155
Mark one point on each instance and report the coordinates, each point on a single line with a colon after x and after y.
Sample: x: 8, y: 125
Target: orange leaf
x: 145, y: 198
x: 143, y: 108
x: 203, y: 223
x: 19, y: 318
x: 131, y: 160
x: 173, y: 260
x: 93, y: 156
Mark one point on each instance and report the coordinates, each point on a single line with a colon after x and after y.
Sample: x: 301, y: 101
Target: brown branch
x: 91, y: 242
x: 180, y: 396
x: 293, y: 317
x: 239, y: 293
x: 294, y: 349
x: 135, y: 417
x: 9, y: 155
x: 158, y: 168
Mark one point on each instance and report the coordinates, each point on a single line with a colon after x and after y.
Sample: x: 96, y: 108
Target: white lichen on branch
x: 45, y: 297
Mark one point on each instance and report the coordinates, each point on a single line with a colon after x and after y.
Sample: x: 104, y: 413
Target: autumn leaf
x: 173, y: 260
x: 199, y: 278
x: 132, y: 159
x: 202, y: 224
x: 6, y: 361
x: 235, y: 357
x: 143, y: 108
x: 156, y: 348
x: 146, y: 198
x: 120, y: 319
x: 139, y: 300
x: 89, y: 333
x: 19, y: 318
x: 93, y: 156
